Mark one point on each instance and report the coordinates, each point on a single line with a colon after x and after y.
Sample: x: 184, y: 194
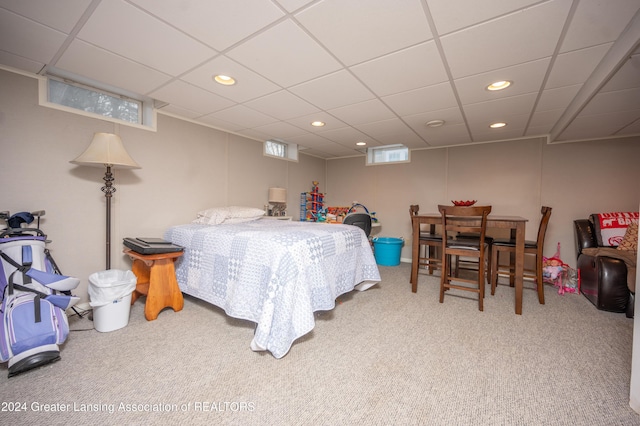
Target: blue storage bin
x: 387, y: 250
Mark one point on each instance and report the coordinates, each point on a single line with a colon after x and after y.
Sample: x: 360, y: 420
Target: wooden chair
x: 455, y: 220
x: 471, y: 264
x: 430, y: 242
x: 530, y: 248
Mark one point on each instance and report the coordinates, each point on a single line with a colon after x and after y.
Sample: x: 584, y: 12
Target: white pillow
x: 233, y: 214
x: 245, y: 212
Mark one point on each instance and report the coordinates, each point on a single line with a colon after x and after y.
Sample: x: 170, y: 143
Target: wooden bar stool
x: 157, y: 280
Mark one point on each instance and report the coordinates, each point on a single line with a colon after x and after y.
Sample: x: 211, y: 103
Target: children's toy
x: 311, y: 203
x: 561, y: 275
x: 35, y: 296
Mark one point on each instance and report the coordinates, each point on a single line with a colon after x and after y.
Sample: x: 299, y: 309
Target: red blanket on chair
x: 614, y: 225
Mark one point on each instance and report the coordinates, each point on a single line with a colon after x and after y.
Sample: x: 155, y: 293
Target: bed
x: 275, y: 273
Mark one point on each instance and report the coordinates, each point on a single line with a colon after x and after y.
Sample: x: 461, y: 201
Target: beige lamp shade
x: 106, y: 149
x: 277, y: 195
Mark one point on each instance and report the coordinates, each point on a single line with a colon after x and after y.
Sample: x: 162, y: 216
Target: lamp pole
x: 108, y: 190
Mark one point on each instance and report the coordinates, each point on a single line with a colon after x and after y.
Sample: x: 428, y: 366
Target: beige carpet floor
x: 382, y: 356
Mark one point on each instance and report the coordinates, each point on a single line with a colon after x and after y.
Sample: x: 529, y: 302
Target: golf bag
x: 34, y: 296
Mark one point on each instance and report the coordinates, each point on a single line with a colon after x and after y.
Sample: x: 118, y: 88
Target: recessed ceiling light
x: 317, y: 123
x: 434, y: 123
x: 499, y: 85
x: 361, y: 143
x: 497, y: 125
x: 224, y: 80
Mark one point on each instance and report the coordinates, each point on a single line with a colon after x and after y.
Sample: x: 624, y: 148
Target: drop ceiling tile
x: 249, y: 85
x: 425, y: 99
x: 20, y: 63
x: 219, y: 24
x: 631, y: 129
x: 246, y: 117
x: 305, y: 121
x: 61, y: 15
x: 177, y: 111
x: 542, y: 131
x: 516, y: 125
x: 557, y: 98
x: 449, y: 135
x: 317, y: 153
x: 543, y: 121
x: 213, y: 121
x: 87, y: 60
x: 363, y: 112
x: 598, y: 126
x: 348, y: 136
x: 525, y: 78
x: 282, y: 105
x: 484, y: 113
x: 28, y: 39
x: 392, y: 131
x: 280, y: 130
x: 575, y: 67
x: 450, y: 15
x: 143, y: 38
x: 285, y: 55
x: 254, y: 134
x: 448, y: 115
x: 190, y: 97
x: 505, y: 133
x: 357, y: 31
x: 334, y: 90
x: 421, y: 66
x: 501, y: 42
x: 618, y: 101
x: 293, y: 5
x: 310, y: 140
x: 598, y: 22
x: 515, y: 128
x: 627, y: 77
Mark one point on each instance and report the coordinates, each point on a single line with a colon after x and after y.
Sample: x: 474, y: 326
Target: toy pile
x: 561, y: 275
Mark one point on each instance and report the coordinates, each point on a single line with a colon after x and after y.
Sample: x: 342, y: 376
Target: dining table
x: 516, y: 224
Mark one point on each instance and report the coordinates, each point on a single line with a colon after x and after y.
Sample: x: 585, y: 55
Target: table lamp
x: 278, y: 197
x: 107, y: 150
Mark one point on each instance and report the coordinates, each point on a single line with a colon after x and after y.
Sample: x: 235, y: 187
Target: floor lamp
x: 107, y: 150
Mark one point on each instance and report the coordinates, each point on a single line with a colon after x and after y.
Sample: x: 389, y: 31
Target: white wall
x: 185, y: 168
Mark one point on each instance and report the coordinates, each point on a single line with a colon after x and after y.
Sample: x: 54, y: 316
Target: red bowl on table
x: 464, y: 203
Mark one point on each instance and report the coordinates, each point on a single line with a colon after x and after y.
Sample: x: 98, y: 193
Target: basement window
x: 86, y: 100
x: 387, y: 154
x: 280, y: 149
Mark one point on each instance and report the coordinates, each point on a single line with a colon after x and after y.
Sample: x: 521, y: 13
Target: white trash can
x: 110, y: 293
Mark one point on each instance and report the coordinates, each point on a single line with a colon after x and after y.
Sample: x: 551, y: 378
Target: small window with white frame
x: 280, y: 149
x: 387, y: 154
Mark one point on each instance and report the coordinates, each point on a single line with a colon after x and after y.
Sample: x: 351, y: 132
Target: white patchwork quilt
x: 274, y: 273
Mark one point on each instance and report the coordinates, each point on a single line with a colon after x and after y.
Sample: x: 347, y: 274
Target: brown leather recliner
x: 604, y: 278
